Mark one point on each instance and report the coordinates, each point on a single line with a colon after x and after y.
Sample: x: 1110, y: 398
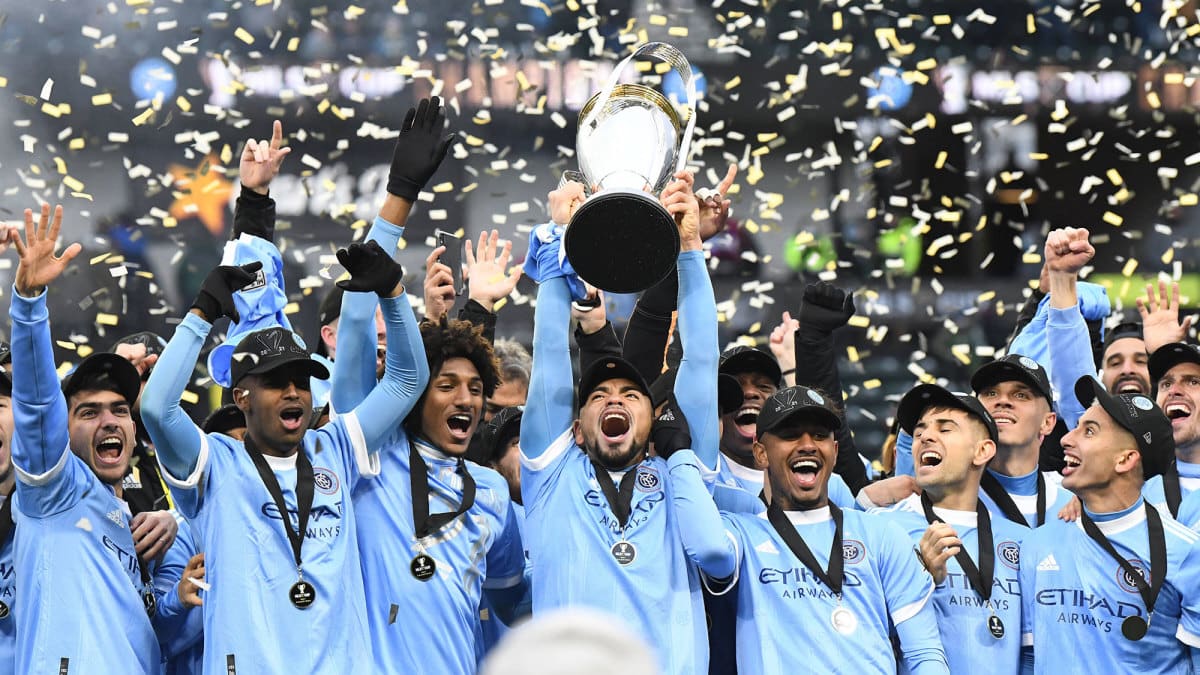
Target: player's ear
x: 1128, y: 460
x: 241, y: 399
x: 760, y: 455
x: 985, y: 450
x: 1048, y: 423
x: 578, y: 431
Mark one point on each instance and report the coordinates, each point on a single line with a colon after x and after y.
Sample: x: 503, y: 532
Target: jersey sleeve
x: 700, y: 526
x: 548, y: 410
x: 904, y: 455
x: 180, y: 446
x: 41, y: 442
x: 1070, y: 353
x: 1188, y: 583
x: 696, y: 384
x: 506, y: 557
x: 354, y: 368
x: 540, y: 474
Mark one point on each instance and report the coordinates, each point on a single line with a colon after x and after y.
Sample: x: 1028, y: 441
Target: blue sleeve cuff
x: 388, y: 227
x: 1063, y: 317
x: 28, y: 310
x: 195, y: 324
x: 682, y: 458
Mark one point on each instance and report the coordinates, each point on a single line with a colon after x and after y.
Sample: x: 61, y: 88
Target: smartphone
x: 452, y: 257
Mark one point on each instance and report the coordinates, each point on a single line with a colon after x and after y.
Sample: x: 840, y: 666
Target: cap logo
x: 1142, y: 403
x: 1028, y: 363
x: 787, y: 399
x: 1147, y: 438
x: 271, y: 342
x: 815, y: 397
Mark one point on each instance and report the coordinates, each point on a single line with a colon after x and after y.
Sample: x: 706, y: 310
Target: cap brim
x: 1089, y: 391
x: 918, y: 399
x: 820, y: 413
x: 117, y: 368
x: 610, y: 368
x: 1004, y: 371
x: 751, y: 361
x: 1167, y: 357
x: 314, y: 367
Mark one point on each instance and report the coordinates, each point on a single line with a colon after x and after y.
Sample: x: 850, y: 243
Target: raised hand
x: 670, y: 432
x: 136, y: 354
x: 215, y: 298
x: 371, y: 269
x: 438, y: 289
x: 939, y: 543
x: 783, y: 346
x: 681, y: 203
x: 1068, y: 250
x: 564, y: 201
x: 590, y: 312
x: 419, y: 150
x: 38, y: 264
x: 826, y: 307
x: 261, y: 160
x: 1160, y: 317
x: 714, y: 207
x: 486, y: 275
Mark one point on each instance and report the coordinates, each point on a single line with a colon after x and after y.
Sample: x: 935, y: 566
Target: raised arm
x: 39, y: 409
x: 1067, y: 339
x: 254, y: 212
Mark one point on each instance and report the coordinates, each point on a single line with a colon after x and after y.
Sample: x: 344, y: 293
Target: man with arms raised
x: 273, y: 513
x: 816, y: 586
x: 972, y: 557
x: 77, y: 569
x: 1118, y: 590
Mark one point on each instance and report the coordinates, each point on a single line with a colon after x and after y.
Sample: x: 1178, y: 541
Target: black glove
x: 825, y: 307
x: 670, y: 430
x: 370, y: 268
x: 254, y: 215
x: 215, y: 298
x: 419, y: 150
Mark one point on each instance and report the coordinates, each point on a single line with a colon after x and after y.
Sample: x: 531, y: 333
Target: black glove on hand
x: 215, y: 298
x: 419, y: 150
x: 370, y: 268
x: 670, y: 431
x: 825, y: 307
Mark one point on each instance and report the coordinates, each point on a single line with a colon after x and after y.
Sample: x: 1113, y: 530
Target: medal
x: 995, y: 626
x: 422, y: 567
x: 3, y: 611
x: 148, y: 601
x: 1134, y: 628
x: 624, y: 552
x: 844, y: 621
x: 302, y: 594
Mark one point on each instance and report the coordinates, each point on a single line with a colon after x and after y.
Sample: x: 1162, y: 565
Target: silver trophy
x: 631, y: 140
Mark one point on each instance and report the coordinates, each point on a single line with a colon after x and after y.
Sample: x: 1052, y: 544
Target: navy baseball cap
x: 1138, y: 415
x: 270, y: 348
x: 1168, y: 356
x: 924, y: 396
x: 743, y: 359
x: 795, y: 402
x: 104, y: 371
x: 1014, y: 367
x: 610, y: 368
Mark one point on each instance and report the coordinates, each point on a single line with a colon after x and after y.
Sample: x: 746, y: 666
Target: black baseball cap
x: 92, y: 372
x: 1138, y: 415
x: 1010, y: 368
x: 270, y: 348
x: 729, y: 392
x: 609, y: 368
x: 1168, y: 356
x: 1126, y: 329
x: 5, y: 369
x: 924, y: 396
x: 224, y: 419
x: 331, y: 306
x: 794, y: 402
x: 743, y: 359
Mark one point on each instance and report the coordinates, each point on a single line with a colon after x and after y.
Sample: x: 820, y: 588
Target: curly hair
x: 452, y: 338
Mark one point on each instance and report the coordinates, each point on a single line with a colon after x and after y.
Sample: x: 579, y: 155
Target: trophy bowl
x: 621, y: 239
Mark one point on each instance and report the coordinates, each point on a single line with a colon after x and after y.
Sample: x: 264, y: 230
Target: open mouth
x: 1177, y: 410
x: 108, y: 450
x: 1002, y: 420
x: 459, y: 425
x: 1072, y: 463
x: 930, y: 458
x: 292, y: 418
x: 805, y: 471
x: 1129, y: 385
x: 615, y: 424
x: 746, y: 421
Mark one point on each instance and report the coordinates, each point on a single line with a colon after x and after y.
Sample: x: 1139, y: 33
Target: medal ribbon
x: 980, y: 577
x: 6, y: 519
x: 833, y: 576
x: 1158, y: 555
x: 620, y: 502
x: 418, y: 473
x: 1005, y: 502
x: 1171, y: 488
x: 304, y: 493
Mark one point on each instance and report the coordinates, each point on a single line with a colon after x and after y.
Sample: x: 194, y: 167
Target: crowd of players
x: 397, y: 501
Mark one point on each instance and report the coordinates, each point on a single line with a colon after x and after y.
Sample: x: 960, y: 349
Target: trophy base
x: 622, y: 241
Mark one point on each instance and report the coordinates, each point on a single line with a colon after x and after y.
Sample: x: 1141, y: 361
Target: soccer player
x: 597, y: 527
x: 8, y: 579
x: 178, y: 622
x: 815, y: 585
x: 1126, y: 363
x: 273, y: 513
x: 1016, y: 392
x: 972, y: 557
x: 76, y: 565
x: 1111, y: 592
x: 1175, y: 372
x: 448, y: 524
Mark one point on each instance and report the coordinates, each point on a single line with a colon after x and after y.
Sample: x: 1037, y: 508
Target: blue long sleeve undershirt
x: 39, y: 408
x: 696, y: 384
x: 549, y: 411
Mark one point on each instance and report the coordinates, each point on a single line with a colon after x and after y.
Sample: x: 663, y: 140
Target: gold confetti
x: 1129, y: 268
x: 1113, y: 219
x: 244, y: 35
x: 106, y: 319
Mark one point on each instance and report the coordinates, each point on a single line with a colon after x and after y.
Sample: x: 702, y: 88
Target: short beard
x: 633, y: 455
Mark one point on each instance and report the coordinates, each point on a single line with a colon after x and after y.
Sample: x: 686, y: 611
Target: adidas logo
x: 1048, y: 564
x: 767, y: 546
x: 115, y: 516
x: 667, y: 416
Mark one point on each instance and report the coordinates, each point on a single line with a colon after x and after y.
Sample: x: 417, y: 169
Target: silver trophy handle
x: 680, y: 64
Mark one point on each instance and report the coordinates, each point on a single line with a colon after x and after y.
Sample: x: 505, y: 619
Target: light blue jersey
x: 883, y: 585
x: 480, y: 550
x: 1189, y: 510
x: 1189, y: 481
x: 78, y: 575
x: 962, y: 614
x: 180, y: 629
x: 1023, y: 491
x: 1076, y: 597
x: 8, y: 596
x: 736, y: 489
x: 492, y: 627
x: 250, y: 625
